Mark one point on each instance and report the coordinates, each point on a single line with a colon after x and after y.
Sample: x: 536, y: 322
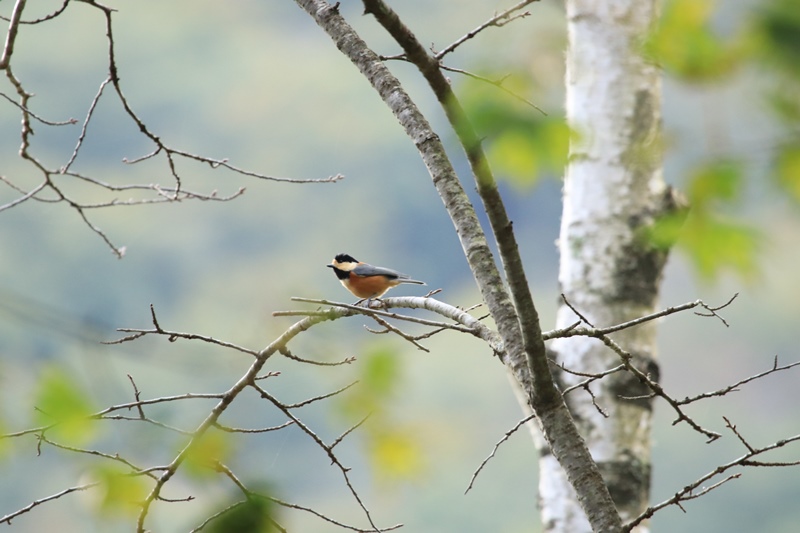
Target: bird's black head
x: 344, y: 258
x: 342, y: 264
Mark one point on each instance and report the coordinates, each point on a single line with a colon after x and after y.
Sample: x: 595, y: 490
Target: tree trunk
x: 613, y: 187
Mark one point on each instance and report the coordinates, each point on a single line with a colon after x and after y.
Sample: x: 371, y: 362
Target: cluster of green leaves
x: 685, y: 45
x: 711, y: 240
x: 522, y: 143
x: 65, y: 412
x: 392, y: 450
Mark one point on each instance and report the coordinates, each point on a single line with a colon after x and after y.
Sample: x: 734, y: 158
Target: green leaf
x: 521, y: 144
x: 5, y: 444
x: 59, y: 401
x: 395, y: 454
x: 787, y: 170
x: 715, y: 180
x: 120, y: 490
x: 712, y: 243
x: 381, y: 370
x: 715, y: 245
x: 683, y: 44
x: 205, y: 452
x: 777, y: 31
x: 665, y: 231
x: 253, y: 515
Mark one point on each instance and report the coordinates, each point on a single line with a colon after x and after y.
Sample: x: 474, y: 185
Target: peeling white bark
x: 613, y: 186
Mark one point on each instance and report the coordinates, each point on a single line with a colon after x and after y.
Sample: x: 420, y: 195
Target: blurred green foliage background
x: 259, y: 84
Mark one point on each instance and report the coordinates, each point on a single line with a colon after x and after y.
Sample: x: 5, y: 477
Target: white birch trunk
x: 613, y: 186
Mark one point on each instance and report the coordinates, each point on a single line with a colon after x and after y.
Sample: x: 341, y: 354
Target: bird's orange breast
x: 369, y: 286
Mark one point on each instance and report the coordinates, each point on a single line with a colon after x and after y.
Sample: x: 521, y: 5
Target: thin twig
x: 496, y: 447
x: 499, y: 20
x: 735, y: 386
x: 9, y: 517
x: 497, y: 83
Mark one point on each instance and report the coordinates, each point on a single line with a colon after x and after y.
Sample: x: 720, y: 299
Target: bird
x: 366, y: 281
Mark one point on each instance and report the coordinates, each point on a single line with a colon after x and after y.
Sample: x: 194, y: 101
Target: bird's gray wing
x: 369, y: 270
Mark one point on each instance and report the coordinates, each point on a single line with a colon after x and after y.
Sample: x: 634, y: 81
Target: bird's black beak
x: 329, y: 266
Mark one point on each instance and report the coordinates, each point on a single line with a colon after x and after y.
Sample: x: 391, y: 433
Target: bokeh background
x: 259, y: 84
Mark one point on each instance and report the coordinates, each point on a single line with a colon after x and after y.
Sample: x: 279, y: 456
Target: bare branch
x: 327, y: 449
x: 116, y: 457
x: 136, y: 396
x: 11, y: 36
x: 374, y: 312
x: 574, y: 310
x: 735, y: 386
x: 496, y: 447
x: 26, y: 195
x: 577, y: 331
x: 400, y: 333
x: 738, y: 435
x: 497, y: 83
x: 89, y: 114
x: 352, y: 428
x: 500, y: 19
x: 229, y: 429
x: 175, y: 335
x: 286, y: 353
x: 148, y: 420
x: 318, y: 398
x: 689, y: 491
x: 9, y: 517
x: 52, y: 15
x: 44, y: 121
x: 162, y: 399
x: 712, y: 311
x: 626, y: 358
x: 218, y: 514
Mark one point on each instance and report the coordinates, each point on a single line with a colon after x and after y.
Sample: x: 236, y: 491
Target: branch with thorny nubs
x: 51, y: 186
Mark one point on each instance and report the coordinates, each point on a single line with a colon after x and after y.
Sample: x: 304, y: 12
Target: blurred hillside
x: 258, y: 84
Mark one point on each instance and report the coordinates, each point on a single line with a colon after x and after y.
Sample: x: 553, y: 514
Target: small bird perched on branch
x: 366, y: 281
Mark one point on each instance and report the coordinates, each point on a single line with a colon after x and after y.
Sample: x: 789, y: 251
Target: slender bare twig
x: 9, y: 517
x: 690, y: 492
x: 735, y: 386
x: 712, y: 311
x: 497, y: 83
x: 318, y: 398
x: 218, y: 514
x: 496, y: 447
x: 174, y: 335
x: 389, y: 328
x: 137, y: 397
x: 96, y: 453
x: 573, y: 330
x: 152, y: 401
x: 498, y: 20
x: 352, y: 428
x: 657, y: 389
x: 49, y: 175
x: 574, y: 310
x: 286, y: 353
x: 149, y: 420
x: 68, y: 122
x: 45, y: 18
x: 229, y: 429
x: 328, y: 449
x: 739, y: 436
x: 85, y: 126
x: 25, y: 196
